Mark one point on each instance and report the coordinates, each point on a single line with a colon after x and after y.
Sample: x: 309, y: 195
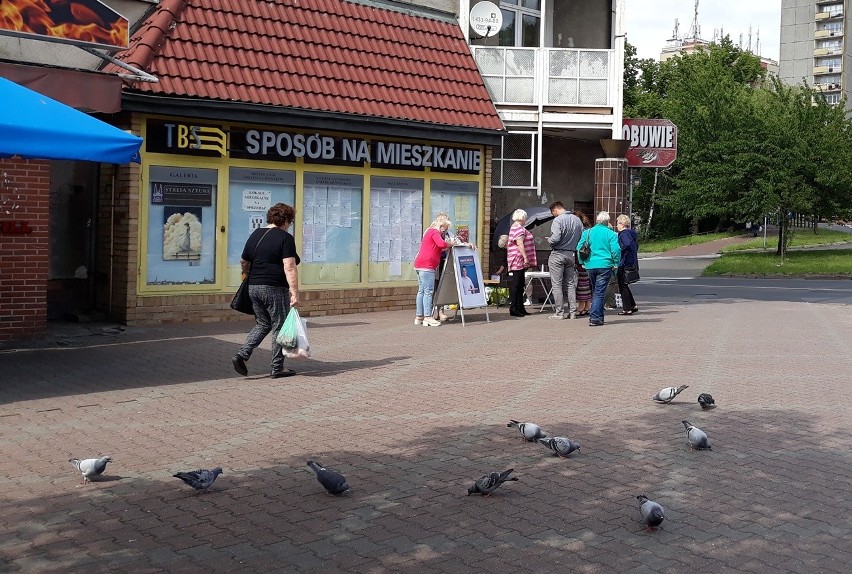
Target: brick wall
x: 25, y: 194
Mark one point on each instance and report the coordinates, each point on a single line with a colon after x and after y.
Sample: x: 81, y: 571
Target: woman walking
x: 269, y: 261
x: 521, y: 254
x: 605, y: 255
x: 628, y: 241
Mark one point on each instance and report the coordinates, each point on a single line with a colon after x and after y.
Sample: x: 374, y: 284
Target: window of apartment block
x: 827, y: 79
x: 832, y: 99
x: 513, y: 163
x: 521, y: 23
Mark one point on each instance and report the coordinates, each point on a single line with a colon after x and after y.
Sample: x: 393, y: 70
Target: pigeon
x: 530, y: 431
x: 200, y: 479
x: 90, y: 467
x: 332, y: 481
x: 697, y: 438
x: 652, y: 513
x: 490, y: 482
x: 706, y: 401
x: 666, y: 395
x: 560, y: 445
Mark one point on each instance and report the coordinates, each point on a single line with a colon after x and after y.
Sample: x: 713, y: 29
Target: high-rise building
x: 813, y: 46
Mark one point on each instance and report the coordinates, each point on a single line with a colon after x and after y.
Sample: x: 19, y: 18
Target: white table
x: 548, y: 289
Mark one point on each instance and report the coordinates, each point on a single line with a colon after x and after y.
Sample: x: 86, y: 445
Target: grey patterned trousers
x: 271, y: 305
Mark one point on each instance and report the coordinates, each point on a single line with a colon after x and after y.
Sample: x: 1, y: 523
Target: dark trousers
x: 516, y: 291
x: 628, y: 303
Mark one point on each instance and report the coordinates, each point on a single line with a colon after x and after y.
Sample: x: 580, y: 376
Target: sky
x: 650, y: 23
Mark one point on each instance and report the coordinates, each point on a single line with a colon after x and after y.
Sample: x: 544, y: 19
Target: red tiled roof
x: 323, y: 55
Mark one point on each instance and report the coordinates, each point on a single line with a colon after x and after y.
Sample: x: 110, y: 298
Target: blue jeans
x: 599, y: 278
x: 425, y: 291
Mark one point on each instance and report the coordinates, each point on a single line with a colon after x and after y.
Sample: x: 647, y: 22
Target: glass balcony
x: 546, y: 76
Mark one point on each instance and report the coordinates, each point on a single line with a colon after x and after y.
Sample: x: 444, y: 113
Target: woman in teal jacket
x: 604, y: 257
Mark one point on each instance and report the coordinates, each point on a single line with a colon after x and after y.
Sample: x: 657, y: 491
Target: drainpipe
x: 618, y: 69
x: 111, y: 240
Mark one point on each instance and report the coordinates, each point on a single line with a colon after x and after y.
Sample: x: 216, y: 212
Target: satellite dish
x: 486, y: 19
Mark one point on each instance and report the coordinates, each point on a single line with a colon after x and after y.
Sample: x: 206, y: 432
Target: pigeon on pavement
x: 652, y: 513
x: 490, y: 482
x: 706, y: 401
x: 560, y: 445
x: 530, y: 431
x: 697, y: 438
x: 90, y: 467
x: 332, y: 481
x: 200, y: 479
x: 665, y: 396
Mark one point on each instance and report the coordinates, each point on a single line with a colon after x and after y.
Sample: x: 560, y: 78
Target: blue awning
x: 35, y: 126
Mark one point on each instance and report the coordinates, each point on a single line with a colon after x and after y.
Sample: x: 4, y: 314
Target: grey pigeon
x: 490, y: 482
x: 90, y: 467
x: 697, y: 438
x: 530, y: 431
x: 200, y: 479
x: 332, y: 481
x: 652, y: 513
x: 665, y: 396
x: 706, y: 401
x: 560, y: 445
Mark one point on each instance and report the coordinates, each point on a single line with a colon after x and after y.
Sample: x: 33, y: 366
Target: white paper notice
x: 257, y: 200
x: 256, y: 222
x: 384, y: 251
x: 374, y: 251
x: 395, y: 268
x: 345, y: 208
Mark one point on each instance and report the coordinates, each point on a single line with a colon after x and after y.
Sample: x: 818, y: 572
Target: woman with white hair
x: 604, y: 256
x: 628, y: 240
x: 426, y: 264
x: 520, y: 250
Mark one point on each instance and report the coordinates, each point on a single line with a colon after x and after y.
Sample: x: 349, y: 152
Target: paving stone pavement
x: 412, y: 416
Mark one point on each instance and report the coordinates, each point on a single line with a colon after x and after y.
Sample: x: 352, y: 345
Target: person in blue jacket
x: 628, y: 241
x: 604, y: 257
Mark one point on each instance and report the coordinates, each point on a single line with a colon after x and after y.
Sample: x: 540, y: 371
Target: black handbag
x: 586, y: 250
x: 242, y: 301
x: 631, y: 274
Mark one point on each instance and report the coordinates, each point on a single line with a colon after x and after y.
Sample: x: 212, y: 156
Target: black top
x: 267, y: 267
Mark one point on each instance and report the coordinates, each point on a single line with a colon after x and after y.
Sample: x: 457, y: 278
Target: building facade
x: 814, y: 46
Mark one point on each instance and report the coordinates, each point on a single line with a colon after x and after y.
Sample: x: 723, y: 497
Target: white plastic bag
x: 303, y: 349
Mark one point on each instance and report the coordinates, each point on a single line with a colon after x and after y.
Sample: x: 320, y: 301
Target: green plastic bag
x: 288, y: 336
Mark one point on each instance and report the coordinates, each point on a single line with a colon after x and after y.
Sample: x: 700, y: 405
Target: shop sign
x: 181, y: 194
x: 185, y: 139
x: 15, y: 227
x: 317, y: 148
x: 653, y: 142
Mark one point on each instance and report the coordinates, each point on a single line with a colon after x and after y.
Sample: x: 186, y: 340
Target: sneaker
x: 240, y: 365
x: 442, y: 316
x: 418, y: 321
x: 557, y: 316
x: 430, y: 322
x: 572, y: 316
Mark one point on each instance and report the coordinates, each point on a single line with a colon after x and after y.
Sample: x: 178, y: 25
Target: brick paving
x: 412, y: 416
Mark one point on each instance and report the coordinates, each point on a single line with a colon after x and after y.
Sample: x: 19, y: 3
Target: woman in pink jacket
x: 426, y: 265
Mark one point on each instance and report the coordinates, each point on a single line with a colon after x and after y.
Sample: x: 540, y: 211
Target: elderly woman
x: 628, y: 241
x: 520, y: 254
x: 269, y: 261
x: 605, y: 255
x: 426, y: 264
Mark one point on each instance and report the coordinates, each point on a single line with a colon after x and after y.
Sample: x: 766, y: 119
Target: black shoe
x: 514, y: 313
x: 284, y: 373
x: 240, y: 365
x: 595, y: 323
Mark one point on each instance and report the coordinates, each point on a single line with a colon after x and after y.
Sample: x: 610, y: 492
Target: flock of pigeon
x: 651, y: 511
x: 335, y: 483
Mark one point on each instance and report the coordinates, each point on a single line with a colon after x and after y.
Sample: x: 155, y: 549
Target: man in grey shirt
x: 565, y: 232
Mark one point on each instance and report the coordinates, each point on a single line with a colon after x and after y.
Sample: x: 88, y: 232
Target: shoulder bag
x: 586, y: 250
x: 242, y: 301
x: 631, y: 273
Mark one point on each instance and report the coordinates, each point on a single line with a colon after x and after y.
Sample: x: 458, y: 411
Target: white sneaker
x: 418, y: 321
x: 430, y: 322
x: 442, y: 316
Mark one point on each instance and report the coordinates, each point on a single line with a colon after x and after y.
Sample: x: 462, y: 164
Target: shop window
x: 181, y: 232
x: 251, y: 192
x: 396, y: 227
x: 459, y: 199
x: 331, y: 229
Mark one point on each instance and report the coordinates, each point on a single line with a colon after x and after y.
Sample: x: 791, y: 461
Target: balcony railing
x: 546, y: 76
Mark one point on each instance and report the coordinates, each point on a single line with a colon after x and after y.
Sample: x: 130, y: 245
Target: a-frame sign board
x: 461, y: 282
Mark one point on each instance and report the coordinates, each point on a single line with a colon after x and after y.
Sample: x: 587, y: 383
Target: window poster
x: 331, y: 228
x: 251, y: 192
x: 181, y: 234
x: 459, y: 199
x: 396, y: 227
